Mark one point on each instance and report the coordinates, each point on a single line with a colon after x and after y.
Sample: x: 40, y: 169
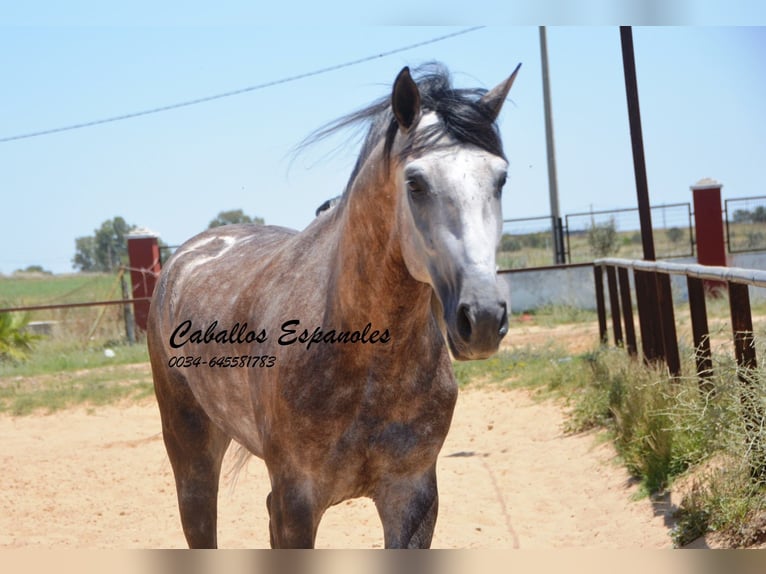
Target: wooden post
x: 144, y: 256
x: 742, y: 325
x: 744, y: 349
x: 648, y: 316
x: 598, y: 277
x: 700, y: 332
x: 614, y: 304
x: 708, y: 226
x: 668, y: 321
x: 127, y: 314
x: 627, y: 312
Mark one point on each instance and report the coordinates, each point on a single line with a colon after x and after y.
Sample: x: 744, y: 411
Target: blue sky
x: 702, y: 92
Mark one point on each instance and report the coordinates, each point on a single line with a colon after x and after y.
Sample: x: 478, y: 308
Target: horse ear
x: 495, y: 98
x: 405, y: 100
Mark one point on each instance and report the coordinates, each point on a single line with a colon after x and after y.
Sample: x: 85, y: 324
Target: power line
x: 236, y: 92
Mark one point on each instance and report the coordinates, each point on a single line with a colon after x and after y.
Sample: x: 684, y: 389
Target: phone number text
x: 241, y: 362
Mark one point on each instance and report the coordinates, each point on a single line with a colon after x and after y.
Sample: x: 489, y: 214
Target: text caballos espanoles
x: 290, y: 333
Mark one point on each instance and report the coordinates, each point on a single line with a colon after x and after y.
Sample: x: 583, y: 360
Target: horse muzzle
x: 477, y: 327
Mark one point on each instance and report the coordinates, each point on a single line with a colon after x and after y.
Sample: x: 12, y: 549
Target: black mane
x: 463, y: 117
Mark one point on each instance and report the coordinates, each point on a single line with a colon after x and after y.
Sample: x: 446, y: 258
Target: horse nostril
x: 503, y: 330
x: 464, y: 327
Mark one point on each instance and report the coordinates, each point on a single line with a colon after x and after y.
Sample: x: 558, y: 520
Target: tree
x: 85, y: 253
x: 675, y: 234
x: 602, y: 238
x: 106, y: 249
x: 509, y: 243
x: 34, y: 269
x: 742, y: 216
x: 233, y: 216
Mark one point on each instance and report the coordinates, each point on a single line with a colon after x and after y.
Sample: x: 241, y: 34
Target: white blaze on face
x: 451, y: 205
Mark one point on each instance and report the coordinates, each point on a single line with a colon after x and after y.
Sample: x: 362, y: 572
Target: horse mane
x: 463, y: 117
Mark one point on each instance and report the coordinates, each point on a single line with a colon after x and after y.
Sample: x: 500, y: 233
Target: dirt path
x: 508, y: 478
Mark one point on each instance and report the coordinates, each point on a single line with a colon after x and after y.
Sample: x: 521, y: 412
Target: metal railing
x: 657, y: 325
x: 658, y: 337
x: 675, y: 219
x: 745, y: 219
x: 524, y: 237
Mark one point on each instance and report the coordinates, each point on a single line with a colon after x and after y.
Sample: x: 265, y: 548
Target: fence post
x: 649, y: 319
x: 127, y: 315
x: 598, y: 278
x: 708, y: 225
x: 561, y: 250
x: 742, y: 325
x: 668, y: 323
x: 700, y: 332
x: 627, y: 312
x: 744, y: 349
x: 614, y: 304
x: 144, y: 256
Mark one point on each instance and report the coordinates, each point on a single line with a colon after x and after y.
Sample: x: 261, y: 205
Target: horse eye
x: 500, y: 185
x: 415, y: 186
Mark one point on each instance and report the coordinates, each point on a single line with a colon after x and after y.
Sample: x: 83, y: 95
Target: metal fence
x: 745, y: 224
x: 615, y: 232
x: 654, y: 302
x: 528, y: 242
x: 657, y: 324
x: 86, y: 319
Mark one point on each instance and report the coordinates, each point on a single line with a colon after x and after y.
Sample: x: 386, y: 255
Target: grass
x: 551, y: 315
x: 51, y: 289
x: 59, y: 355
x: 61, y: 375
x: 93, y: 387
x: 71, y: 366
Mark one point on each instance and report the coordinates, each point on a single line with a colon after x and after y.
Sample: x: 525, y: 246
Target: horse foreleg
x: 293, y: 516
x: 408, y: 507
x: 195, y: 447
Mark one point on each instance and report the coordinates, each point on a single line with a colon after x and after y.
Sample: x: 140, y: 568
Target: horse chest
x: 400, y: 428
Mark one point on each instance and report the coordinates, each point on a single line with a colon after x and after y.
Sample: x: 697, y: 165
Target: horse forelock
x: 462, y: 116
x: 463, y: 119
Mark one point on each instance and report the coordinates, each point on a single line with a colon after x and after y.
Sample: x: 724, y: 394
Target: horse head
x: 450, y: 175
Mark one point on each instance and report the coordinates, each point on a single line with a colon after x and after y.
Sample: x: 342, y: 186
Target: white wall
x: 530, y: 289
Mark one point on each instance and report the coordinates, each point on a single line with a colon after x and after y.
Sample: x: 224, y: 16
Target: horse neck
x: 371, y: 280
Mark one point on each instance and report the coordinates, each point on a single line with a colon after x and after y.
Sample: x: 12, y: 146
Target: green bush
x: 603, y: 239
x: 15, y: 340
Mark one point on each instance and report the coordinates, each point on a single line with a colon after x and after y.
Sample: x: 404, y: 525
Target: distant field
x: 521, y: 250
x: 85, y: 325
x: 33, y: 289
x: 534, y: 250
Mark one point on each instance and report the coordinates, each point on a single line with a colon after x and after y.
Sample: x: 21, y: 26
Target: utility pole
x: 653, y: 292
x: 637, y: 142
x: 553, y: 190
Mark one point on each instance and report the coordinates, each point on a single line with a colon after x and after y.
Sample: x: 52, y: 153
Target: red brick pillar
x: 708, y: 223
x: 144, y: 256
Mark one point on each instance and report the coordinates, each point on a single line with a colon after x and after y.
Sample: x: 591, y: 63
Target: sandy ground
x: 508, y: 478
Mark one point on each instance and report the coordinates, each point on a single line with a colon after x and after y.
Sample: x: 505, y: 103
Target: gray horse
x: 327, y: 352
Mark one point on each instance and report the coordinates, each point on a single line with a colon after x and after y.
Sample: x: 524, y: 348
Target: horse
x: 328, y: 352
